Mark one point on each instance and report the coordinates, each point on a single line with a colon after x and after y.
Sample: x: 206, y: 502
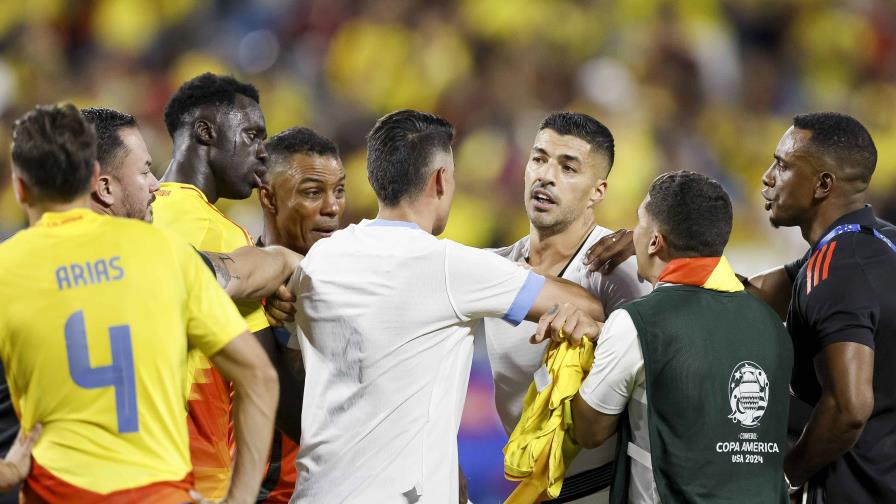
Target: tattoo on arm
x: 222, y: 270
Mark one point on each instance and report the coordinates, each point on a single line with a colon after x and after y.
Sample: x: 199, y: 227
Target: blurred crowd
x: 703, y: 85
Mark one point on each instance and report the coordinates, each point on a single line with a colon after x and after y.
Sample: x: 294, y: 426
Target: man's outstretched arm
x: 253, y: 272
x: 773, y: 286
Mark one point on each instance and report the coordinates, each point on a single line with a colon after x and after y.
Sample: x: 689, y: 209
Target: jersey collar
x: 53, y: 219
x: 863, y: 217
x: 390, y: 223
x: 181, y: 185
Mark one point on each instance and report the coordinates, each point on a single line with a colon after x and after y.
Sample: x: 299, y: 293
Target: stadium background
x: 704, y: 85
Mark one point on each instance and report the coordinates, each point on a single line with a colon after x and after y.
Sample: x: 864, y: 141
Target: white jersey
x: 513, y: 365
x: 386, y: 312
x: 616, y: 382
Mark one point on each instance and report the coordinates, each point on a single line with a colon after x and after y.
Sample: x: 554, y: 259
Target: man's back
x: 716, y: 368
x: 94, y: 341
x: 386, y: 312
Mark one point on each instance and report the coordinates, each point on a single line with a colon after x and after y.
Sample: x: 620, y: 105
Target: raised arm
x: 772, y: 286
x: 253, y: 272
x: 244, y: 363
x: 610, y: 251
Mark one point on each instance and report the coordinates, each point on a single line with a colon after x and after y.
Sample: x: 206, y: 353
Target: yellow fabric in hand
x: 539, y: 450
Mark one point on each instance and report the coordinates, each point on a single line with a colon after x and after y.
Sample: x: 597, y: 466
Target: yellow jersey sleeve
x: 212, y: 319
x: 184, y: 210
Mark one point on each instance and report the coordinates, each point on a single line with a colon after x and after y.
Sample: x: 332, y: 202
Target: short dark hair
x: 399, y: 149
x: 692, y: 211
x: 54, y: 147
x: 300, y: 140
x: 107, y: 123
x: 585, y: 127
x: 205, y: 89
x: 842, y: 139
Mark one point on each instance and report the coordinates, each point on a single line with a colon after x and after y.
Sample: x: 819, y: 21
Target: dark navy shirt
x: 843, y: 292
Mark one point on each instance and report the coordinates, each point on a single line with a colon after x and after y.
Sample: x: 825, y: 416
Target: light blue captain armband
x: 525, y: 298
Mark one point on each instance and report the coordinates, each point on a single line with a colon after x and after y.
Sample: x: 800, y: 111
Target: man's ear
x: 19, y: 188
x: 657, y: 246
x: 598, y: 192
x: 267, y: 199
x: 439, y: 182
x: 102, y: 191
x: 824, y: 185
x: 204, y: 132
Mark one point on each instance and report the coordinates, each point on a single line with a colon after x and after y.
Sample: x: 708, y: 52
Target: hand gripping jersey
x: 97, y: 319
x: 183, y: 209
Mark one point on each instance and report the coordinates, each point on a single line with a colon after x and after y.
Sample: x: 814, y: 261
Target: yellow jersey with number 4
x: 97, y: 319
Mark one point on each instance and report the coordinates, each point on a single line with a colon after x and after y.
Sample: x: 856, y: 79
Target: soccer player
x: 663, y: 360
x: 302, y: 202
x: 126, y: 188
x: 106, y: 376
x: 566, y: 178
x: 387, y: 316
x: 218, y: 131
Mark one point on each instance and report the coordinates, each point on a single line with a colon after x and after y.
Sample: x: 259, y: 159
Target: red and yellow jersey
x: 279, y: 481
x: 45, y: 488
x: 97, y: 319
x: 184, y: 210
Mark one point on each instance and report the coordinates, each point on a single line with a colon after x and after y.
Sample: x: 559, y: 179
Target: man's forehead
x: 794, y: 140
x: 251, y: 113
x: 243, y: 110
x: 304, y: 165
x: 133, y: 141
x: 556, y: 144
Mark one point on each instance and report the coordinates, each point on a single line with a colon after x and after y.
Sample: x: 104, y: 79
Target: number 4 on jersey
x: 119, y: 375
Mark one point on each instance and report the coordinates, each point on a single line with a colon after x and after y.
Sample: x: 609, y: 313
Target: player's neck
x: 99, y: 208
x: 828, y: 213
x: 189, y: 165
x: 551, y: 251
x: 35, y: 212
x: 408, y: 212
x: 271, y: 236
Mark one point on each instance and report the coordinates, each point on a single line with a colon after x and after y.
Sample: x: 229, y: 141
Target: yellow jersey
x: 183, y: 209
x: 97, y: 319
